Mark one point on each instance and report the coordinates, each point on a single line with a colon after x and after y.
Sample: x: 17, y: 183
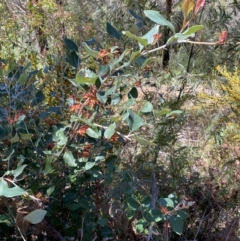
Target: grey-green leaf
x: 150, y: 36
x: 35, y: 216
x: 109, y: 132
x: 10, y: 192
x: 156, y: 17
x: 69, y: 159
x: 148, y: 107
x: 134, y: 121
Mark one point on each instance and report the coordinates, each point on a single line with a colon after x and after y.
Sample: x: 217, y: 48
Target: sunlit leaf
x: 193, y: 30
x: 86, y: 76
x: 150, y: 36
x: 10, y: 192
x: 148, y: 107
x: 166, y: 202
x: 18, y: 171
x: 141, y: 40
x: 93, y: 133
x: 148, y: 61
x: 89, y: 165
x: 109, y: 132
x: 155, y: 215
x: 187, y: 7
x: 50, y: 190
x: 35, y: 216
x: 134, y: 121
x: 23, y: 78
x: 69, y: 159
x: 91, y: 52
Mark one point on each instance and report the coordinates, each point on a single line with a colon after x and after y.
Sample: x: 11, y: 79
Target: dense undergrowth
x: 130, y: 134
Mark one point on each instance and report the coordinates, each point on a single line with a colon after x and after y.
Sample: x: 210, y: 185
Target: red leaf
x: 223, y: 37
x: 199, y: 4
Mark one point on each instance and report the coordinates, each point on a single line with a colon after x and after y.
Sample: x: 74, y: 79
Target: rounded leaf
x: 35, y: 216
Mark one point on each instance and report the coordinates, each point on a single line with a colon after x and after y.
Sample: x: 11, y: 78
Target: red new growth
x: 223, y: 37
x: 199, y: 4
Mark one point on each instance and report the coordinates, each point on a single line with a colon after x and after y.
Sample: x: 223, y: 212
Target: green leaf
x: 48, y: 166
x: 89, y: 165
x: 183, y: 215
x: 69, y: 159
x: 150, y: 36
x: 112, y: 31
x: 115, y: 99
x: 133, y: 93
x: 148, y: 62
x: 61, y: 138
x: 102, y: 221
x: 116, y: 61
x: 156, y: 17
x: 35, y: 216
x: 74, y: 206
x: 23, y: 78
x: 166, y: 202
x: 155, y: 215
x: 176, y: 224
x: 102, y: 98
x: 9, y: 155
x: 111, y: 90
x: 140, y: 225
x: 181, y: 37
x: 193, y: 30
x: 174, y: 112
x: 134, y: 121
x: 91, y: 52
x: 71, y: 45
x: 86, y: 76
x: 50, y: 190
x: 103, y: 69
x: 132, y: 203
x: 83, y: 203
x: 7, y: 219
x: 109, y: 132
x: 135, y: 55
x: 172, y: 40
x: 73, y: 59
x: 25, y: 136
x: 148, y: 107
x: 142, y: 41
x: 142, y: 140
x: 93, y: 133
x: 162, y: 112
x: 10, y: 192
x: 18, y: 171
